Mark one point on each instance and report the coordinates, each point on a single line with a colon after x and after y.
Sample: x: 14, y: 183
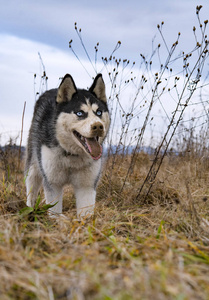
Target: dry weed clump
x: 132, y: 248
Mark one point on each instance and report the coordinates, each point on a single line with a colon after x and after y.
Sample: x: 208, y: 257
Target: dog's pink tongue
x: 94, y: 147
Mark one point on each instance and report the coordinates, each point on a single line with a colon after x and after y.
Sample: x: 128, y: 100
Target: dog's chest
x: 58, y: 167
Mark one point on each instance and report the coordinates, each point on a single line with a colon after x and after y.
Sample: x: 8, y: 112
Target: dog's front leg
x: 85, y: 201
x: 33, y: 183
x: 84, y: 182
x: 53, y: 194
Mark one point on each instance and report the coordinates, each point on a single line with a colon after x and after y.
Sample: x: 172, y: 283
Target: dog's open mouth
x: 91, y: 145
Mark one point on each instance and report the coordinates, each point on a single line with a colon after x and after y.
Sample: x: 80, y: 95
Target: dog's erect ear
x: 66, y: 89
x: 98, y: 88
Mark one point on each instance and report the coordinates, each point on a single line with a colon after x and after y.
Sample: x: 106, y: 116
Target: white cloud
x: 133, y: 22
x: 19, y: 61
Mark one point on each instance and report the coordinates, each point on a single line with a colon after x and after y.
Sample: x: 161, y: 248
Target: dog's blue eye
x: 80, y: 113
x: 99, y: 113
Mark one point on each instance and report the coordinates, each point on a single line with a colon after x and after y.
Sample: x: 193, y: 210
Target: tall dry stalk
x: 176, y: 78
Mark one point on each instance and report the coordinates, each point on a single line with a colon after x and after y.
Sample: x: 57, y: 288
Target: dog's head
x: 83, y: 119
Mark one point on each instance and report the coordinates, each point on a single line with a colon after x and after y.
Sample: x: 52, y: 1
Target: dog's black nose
x: 97, y: 129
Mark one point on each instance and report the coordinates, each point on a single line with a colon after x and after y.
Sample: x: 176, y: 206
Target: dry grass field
x: 154, y: 247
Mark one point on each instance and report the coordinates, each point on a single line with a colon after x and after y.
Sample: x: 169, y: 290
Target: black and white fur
x: 64, y: 144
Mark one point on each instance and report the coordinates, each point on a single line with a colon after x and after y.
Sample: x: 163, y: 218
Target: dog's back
x: 42, y: 126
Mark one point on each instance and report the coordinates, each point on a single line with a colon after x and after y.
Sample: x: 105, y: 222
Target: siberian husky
x: 65, y: 144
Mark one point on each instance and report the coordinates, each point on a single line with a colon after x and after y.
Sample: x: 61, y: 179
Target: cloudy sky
x: 46, y: 27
